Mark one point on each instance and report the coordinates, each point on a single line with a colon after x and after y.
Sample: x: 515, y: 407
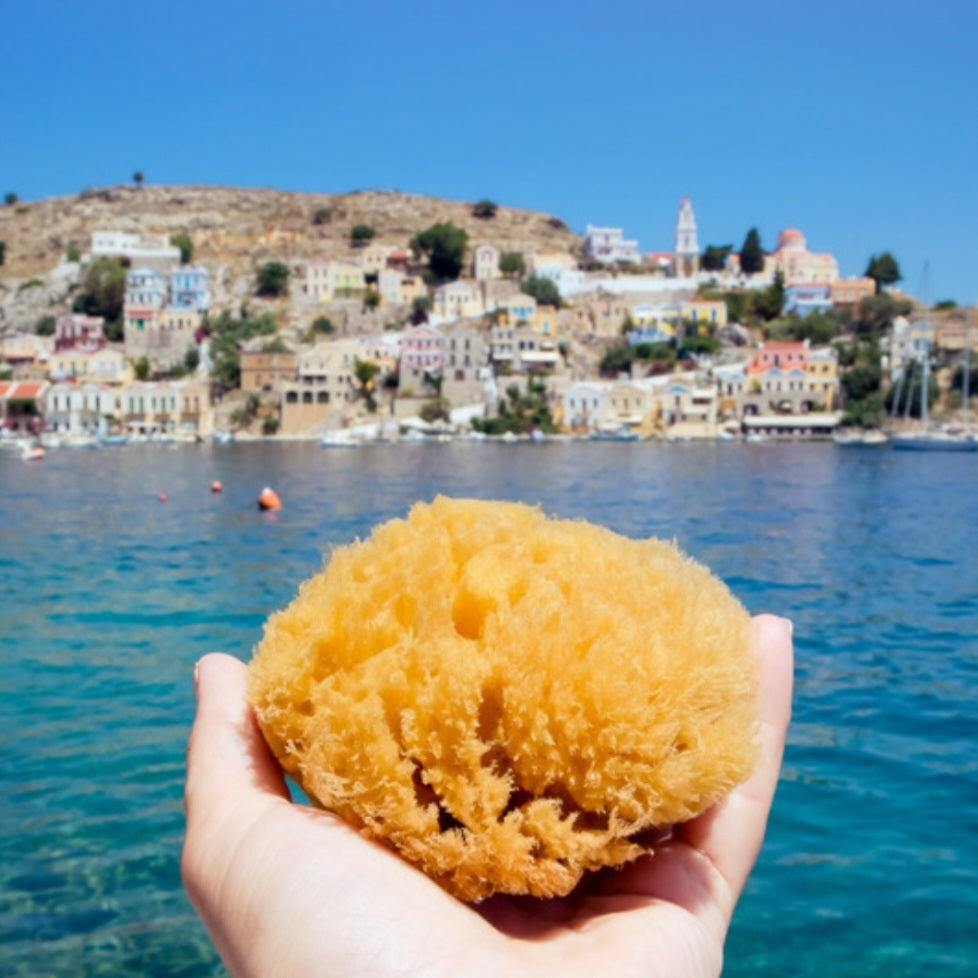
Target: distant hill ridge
x: 245, y: 227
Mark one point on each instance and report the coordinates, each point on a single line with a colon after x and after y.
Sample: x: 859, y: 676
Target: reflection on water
x: 110, y: 596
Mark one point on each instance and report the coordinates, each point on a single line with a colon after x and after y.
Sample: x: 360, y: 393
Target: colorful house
x: 22, y: 406
x: 422, y: 351
x: 803, y: 298
x: 73, y: 331
x: 106, y: 366
x: 485, y: 263
x: 783, y: 355
x: 456, y: 300
x: 189, y: 288
x: 797, y: 264
x: 704, y: 315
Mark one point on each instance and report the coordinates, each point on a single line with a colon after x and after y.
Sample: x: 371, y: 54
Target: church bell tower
x: 686, y: 252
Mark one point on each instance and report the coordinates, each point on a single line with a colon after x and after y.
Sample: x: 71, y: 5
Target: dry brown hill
x: 245, y: 227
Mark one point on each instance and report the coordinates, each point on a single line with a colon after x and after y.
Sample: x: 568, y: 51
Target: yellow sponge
x: 506, y: 700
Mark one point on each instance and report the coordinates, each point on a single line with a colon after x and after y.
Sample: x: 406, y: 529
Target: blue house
x: 648, y: 334
x: 805, y: 297
x: 188, y: 288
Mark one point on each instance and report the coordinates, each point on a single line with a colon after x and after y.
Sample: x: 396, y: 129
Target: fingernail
x: 790, y: 624
x: 197, y: 679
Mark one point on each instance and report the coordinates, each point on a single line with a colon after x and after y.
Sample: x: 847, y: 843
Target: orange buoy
x: 216, y: 486
x: 162, y: 497
x: 268, y: 499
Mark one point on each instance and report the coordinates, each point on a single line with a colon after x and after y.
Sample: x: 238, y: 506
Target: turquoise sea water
x: 109, y: 597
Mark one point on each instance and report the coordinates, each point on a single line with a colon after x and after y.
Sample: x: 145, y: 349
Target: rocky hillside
x: 243, y: 228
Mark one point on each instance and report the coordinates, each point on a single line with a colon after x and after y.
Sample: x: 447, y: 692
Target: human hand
x: 288, y: 890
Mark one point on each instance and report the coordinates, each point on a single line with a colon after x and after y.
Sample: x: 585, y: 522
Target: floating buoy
x: 162, y: 497
x: 216, y: 486
x: 268, y: 499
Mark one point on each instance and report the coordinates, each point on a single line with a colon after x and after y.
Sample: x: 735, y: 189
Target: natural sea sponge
x: 507, y: 700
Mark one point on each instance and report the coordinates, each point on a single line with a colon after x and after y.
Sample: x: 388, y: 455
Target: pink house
x: 73, y: 331
x: 422, y: 351
x: 783, y: 355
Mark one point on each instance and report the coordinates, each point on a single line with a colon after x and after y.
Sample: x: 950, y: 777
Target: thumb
x: 227, y: 758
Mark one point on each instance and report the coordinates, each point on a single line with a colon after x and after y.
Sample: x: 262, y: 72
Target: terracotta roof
x: 21, y: 389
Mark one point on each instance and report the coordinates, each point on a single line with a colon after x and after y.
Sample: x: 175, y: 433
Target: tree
x: 73, y: 254
x: 617, y: 359
x: 751, y: 253
x: 322, y: 215
x: 137, y: 178
x: 543, y: 289
x: 371, y: 299
x: 419, y: 309
x: 141, y: 368
x: 10, y: 198
x: 883, y: 270
x: 714, y: 257
x: 444, y: 244
x: 484, y: 209
x: 45, y: 326
x: 512, y: 263
x: 321, y: 324
x: 877, y: 312
x: 273, y: 278
x: 3, y: 251
x: 186, y: 246
x: 103, y: 291
x: 770, y: 301
x: 361, y: 234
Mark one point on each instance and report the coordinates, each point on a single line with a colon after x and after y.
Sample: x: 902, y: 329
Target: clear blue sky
x: 853, y: 121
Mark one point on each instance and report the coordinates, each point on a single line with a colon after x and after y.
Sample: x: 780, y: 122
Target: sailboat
x: 929, y: 439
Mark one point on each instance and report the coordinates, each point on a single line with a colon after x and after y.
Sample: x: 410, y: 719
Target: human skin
x: 287, y: 890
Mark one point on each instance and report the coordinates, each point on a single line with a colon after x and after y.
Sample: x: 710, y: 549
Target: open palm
x: 288, y: 890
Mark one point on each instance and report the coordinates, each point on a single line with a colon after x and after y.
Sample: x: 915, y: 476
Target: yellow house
x: 665, y: 319
x: 334, y: 278
x: 706, y: 315
x: 823, y: 376
x: 373, y: 258
x: 456, y: 300
x: 545, y: 321
x: 105, y: 366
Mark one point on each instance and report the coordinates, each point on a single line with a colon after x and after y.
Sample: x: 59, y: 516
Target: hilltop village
x: 439, y: 332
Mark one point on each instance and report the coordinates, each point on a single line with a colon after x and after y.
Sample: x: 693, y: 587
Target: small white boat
x: 32, y: 453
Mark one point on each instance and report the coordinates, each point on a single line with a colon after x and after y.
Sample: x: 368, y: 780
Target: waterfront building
x: 485, y: 263
x: 266, y: 371
x: 686, y: 249
x: 74, y: 331
x: 82, y: 409
x: 688, y: 408
x: 22, y: 406
x: 823, y: 377
x: 189, y: 288
x: 581, y: 404
x: 325, y: 383
x: 608, y: 245
x: 422, y: 352
x: 465, y: 371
